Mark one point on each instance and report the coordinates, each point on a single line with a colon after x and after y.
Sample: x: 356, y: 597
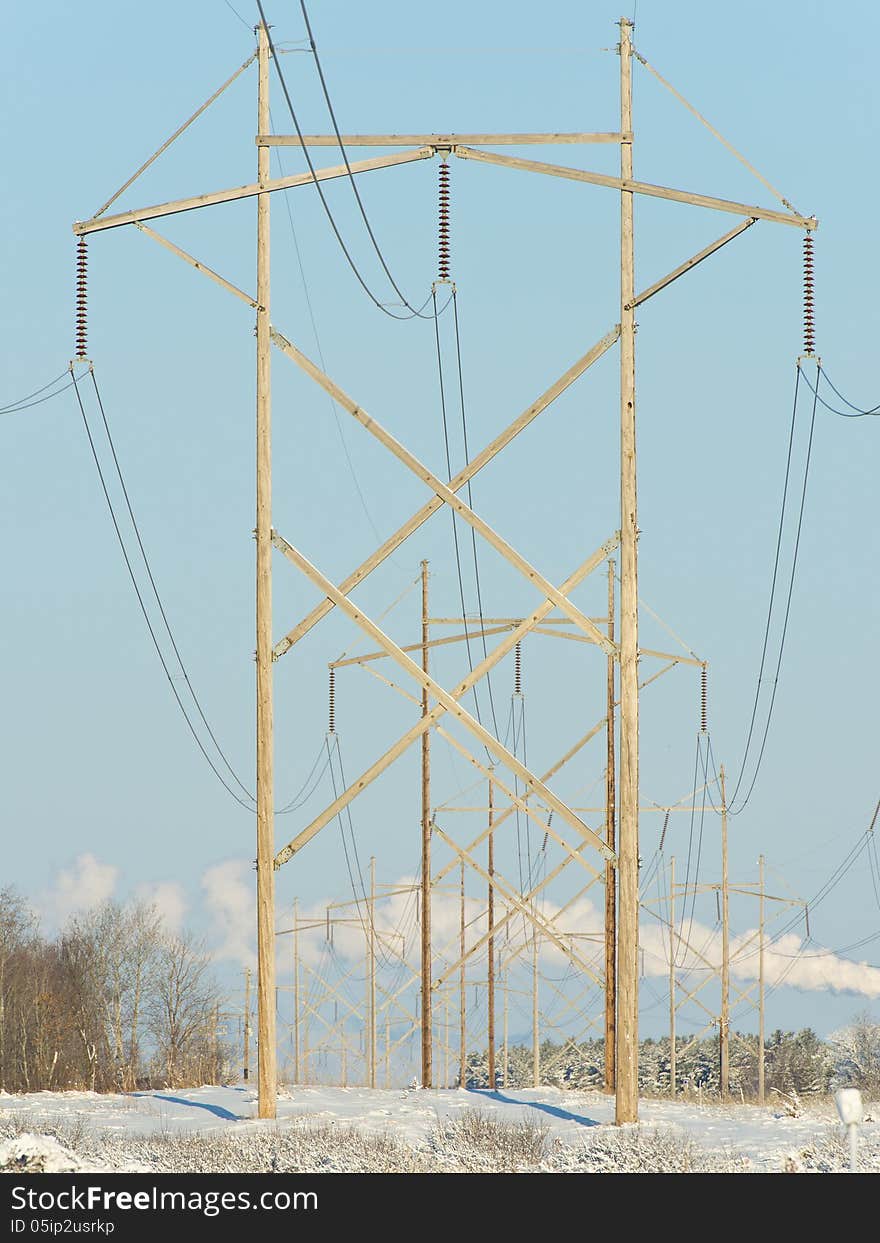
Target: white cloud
x: 580, y: 927
x: 397, y: 929
x: 787, y: 960
x: 84, y: 885
x: 230, y: 898
x: 169, y: 900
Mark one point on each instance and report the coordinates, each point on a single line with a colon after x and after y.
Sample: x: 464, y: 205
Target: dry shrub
x: 474, y: 1141
x: 643, y: 1150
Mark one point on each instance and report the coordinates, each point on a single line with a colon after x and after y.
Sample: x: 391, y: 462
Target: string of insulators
x: 81, y: 295
x: 704, y: 714
x: 517, y: 670
x: 443, y: 253
x: 331, y: 702
x: 663, y: 831
x: 809, y: 309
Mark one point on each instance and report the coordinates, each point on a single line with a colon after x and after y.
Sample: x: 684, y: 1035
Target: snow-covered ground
x: 415, y: 1129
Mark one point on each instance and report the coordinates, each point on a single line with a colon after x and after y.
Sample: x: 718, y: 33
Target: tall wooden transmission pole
x: 304, y: 1040
x: 490, y: 947
x: 610, y: 874
x: 446, y: 1040
x: 724, y: 1022
x: 246, y: 1063
x: 427, y: 1071
x: 536, y: 1033
x: 371, y: 978
x: 627, y: 1060
x: 296, y: 1065
x: 267, y: 1071
x: 462, y: 995
x: 504, y: 1057
x: 761, y: 980
x: 387, y: 1048
x: 672, y: 1050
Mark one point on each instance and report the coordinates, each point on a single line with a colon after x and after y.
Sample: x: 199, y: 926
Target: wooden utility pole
x: 536, y: 1035
x: 296, y: 1066
x: 371, y: 978
x: 462, y: 996
x: 504, y: 1065
x: 672, y: 1066
x: 215, y: 1044
x: 724, y: 1024
x: 627, y: 1059
x: 446, y: 1038
x: 246, y: 1068
x: 267, y: 1070
x: 387, y: 1048
x: 304, y: 1052
x: 610, y: 873
x: 761, y: 980
x: 427, y: 1074
x: 490, y: 947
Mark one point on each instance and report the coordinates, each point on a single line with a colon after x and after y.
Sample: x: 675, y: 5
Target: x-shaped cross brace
x: 446, y: 701
x: 443, y: 493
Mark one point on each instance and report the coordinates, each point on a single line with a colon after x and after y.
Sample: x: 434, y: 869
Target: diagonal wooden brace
x: 638, y: 187
x: 449, y: 702
x: 516, y: 801
x: 445, y: 493
x: 519, y: 424
x: 506, y: 645
x: 511, y: 913
x: 509, y: 896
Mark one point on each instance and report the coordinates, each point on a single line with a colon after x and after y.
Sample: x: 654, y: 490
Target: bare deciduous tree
x: 112, y: 999
x: 182, y: 1008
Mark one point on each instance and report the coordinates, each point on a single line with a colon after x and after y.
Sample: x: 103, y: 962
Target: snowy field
x: 324, y: 1129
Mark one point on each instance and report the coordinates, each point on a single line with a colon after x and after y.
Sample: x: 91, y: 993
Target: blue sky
x: 98, y: 760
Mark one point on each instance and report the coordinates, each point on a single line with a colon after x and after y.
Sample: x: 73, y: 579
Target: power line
x: 687, y: 870
x: 857, y: 411
x: 358, y: 870
x: 464, y: 432
x: 11, y: 405
x: 326, y: 206
x: 332, y: 403
x: 344, y: 153
x: 357, y: 898
x: 794, y: 562
x: 143, y: 607
x: 300, y: 798
x: 843, y: 949
x: 39, y: 402
x: 155, y: 589
x: 772, y: 585
x: 699, y: 839
x: 842, y: 869
x: 467, y: 640
x: 237, y: 14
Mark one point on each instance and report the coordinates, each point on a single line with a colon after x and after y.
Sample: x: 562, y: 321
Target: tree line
x: 795, y: 1063
x: 114, y: 1002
